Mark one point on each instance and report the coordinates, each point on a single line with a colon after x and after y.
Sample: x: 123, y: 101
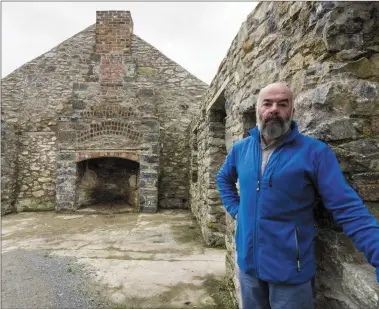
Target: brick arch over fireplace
x: 81, y: 156
x: 113, y: 127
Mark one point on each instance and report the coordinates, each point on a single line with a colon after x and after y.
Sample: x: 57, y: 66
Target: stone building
x: 101, y: 118
x: 106, y: 117
x: 328, y: 52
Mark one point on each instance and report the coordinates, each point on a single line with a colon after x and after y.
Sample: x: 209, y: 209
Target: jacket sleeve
x: 346, y: 206
x: 226, y: 183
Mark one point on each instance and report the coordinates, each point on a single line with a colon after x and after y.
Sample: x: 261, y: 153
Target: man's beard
x: 276, y: 128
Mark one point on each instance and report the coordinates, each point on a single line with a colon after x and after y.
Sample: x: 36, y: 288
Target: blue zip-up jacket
x: 275, y: 230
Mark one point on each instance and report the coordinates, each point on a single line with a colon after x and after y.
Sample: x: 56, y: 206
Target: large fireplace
x: 109, y: 141
x: 107, y: 181
x: 113, y: 179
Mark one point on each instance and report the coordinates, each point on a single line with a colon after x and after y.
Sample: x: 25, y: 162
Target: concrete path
x: 134, y: 260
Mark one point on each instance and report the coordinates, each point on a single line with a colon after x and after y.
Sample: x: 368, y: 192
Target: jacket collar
x: 254, y: 133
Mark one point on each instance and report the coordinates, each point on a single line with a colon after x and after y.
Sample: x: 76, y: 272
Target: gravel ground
x: 34, y: 280
x: 125, y: 261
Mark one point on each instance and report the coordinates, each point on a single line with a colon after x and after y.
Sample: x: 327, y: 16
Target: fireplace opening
x: 108, y: 182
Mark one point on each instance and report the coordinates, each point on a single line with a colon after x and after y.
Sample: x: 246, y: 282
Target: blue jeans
x: 258, y: 294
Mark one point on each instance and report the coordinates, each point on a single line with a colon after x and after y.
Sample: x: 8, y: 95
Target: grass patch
x: 187, y: 234
x: 219, y: 290
x: 37, y: 209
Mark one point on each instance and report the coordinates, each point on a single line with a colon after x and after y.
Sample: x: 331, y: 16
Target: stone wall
x: 120, y: 122
x: 9, y: 172
x: 33, y: 97
x: 328, y: 54
x: 208, y: 153
x: 37, y: 177
x: 37, y: 94
x: 178, y: 95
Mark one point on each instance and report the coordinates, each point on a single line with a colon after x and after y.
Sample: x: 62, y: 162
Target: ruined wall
x: 9, y: 172
x: 328, y: 52
x: 37, y: 94
x: 178, y: 95
x: 36, y: 178
x: 33, y: 97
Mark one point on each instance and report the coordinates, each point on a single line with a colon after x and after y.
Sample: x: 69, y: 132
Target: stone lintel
x: 217, y: 95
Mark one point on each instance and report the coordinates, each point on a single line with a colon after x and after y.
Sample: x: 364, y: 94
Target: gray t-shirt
x: 266, y: 154
x: 268, y: 150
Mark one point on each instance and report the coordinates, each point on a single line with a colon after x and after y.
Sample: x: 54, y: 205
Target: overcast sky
x: 196, y: 35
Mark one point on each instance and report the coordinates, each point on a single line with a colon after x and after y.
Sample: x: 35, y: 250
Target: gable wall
x: 38, y: 93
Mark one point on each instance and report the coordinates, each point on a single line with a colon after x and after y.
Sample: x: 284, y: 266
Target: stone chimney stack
x: 114, y: 31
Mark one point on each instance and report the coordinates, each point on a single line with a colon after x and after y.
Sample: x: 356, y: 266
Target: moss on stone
x: 213, y: 226
x: 247, y: 46
x: 37, y: 208
x: 184, y: 233
x: 362, y: 68
x: 147, y: 70
x: 220, y: 290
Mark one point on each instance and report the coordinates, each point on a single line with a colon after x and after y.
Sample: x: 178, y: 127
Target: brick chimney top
x: 114, y: 31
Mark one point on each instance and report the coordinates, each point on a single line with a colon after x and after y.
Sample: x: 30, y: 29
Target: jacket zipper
x: 256, y: 205
x: 256, y: 211
x: 297, y: 248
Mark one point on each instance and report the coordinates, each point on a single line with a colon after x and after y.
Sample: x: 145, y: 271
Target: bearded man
x: 281, y: 172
